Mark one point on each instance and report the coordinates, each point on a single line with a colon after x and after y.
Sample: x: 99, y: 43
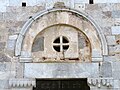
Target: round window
x: 61, y: 44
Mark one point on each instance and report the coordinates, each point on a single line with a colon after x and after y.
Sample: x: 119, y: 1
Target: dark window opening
x: 57, y: 48
x: 23, y: 4
x: 65, y: 40
x: 61, y: 84
x: 65, y: 47
x: 61, y: 44
x: 91, y: 2
x: 57, y: 40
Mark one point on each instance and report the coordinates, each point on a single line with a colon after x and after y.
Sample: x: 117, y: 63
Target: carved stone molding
x: 21, y: 82
x: 108, y: 82
x: 25, y: 28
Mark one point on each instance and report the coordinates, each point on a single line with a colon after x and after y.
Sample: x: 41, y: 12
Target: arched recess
x: 70, y: 17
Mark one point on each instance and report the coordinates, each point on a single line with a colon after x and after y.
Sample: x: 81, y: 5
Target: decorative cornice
x: 108, y: 82
x: 21, y: 82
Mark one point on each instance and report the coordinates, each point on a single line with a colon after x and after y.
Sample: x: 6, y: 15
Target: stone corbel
x: 22, y: 82
x: 108, y: 82
x: 25, y: 59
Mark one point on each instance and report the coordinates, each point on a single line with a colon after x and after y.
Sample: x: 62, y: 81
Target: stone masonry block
x: 106, y: 30
x: 11, y: 44
x: 116, y: 14
x: 10, y: 16
x: 106, y: 69
x: 115, y: 29
x: 114, y: 49
x: 2, y: 46
x: 4, y: 58
x: 13, y: 37
x: 111, y: 40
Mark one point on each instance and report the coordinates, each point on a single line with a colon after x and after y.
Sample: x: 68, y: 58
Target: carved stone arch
x: 27, y: 34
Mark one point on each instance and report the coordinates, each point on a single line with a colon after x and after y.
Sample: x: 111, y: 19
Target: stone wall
x: 106, y: 16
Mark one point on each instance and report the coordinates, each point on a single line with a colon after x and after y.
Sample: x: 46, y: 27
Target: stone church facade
x: 60, y: 41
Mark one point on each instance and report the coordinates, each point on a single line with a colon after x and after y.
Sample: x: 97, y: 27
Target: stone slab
x: 114, y: 49
x: 11, y: 44
x: 97, y: 59
x: 115, y: 29
x: 61, y: 70
x: 106, y: 69
x: 12, y: 37
x: 96, y: 54
x: 111, y: 40
x: 4, y: 84
x: 4, y: 58
x: 116, y: 14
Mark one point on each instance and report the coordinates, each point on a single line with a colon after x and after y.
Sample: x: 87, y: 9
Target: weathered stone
x: 96, y: 54
x: 117, y: 37
x: 106, y: 6
x: 115, y: 30
x: 4, y: 84
x: 25, y: 54
x: 13, y: 37
x: 38, y: 44
x: 93, y: 20
x: 0, y: 38
x: 114, y: 49
x: 61, y: 70
x: 92, y: 7
x: 107, y: 1
x: 2, y: 46
x: 116, y: 71
x: 79, y: 6
x: 116, y: 14
x: 1, y: 16
x: 106, y: 30
x: 10, y: 16
x: 59, y: 5
x: 106, y: 69
x: 12, y: 31
x: 112, y: 58
x: 111, y: 40
x: 4, y: 58
x: 11, y: 44
x: 20, y: 70
x: 107, y: 14
x: 116, y: 84
x: 3, y: 67
x: 97, y: 59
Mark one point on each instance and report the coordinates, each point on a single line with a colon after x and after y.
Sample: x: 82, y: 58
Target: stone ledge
x: 21, y: 82
x: 24, y: 59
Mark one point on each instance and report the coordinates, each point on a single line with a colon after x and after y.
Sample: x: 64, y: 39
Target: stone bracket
x: 21, y: 82
x: 108, y: 82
